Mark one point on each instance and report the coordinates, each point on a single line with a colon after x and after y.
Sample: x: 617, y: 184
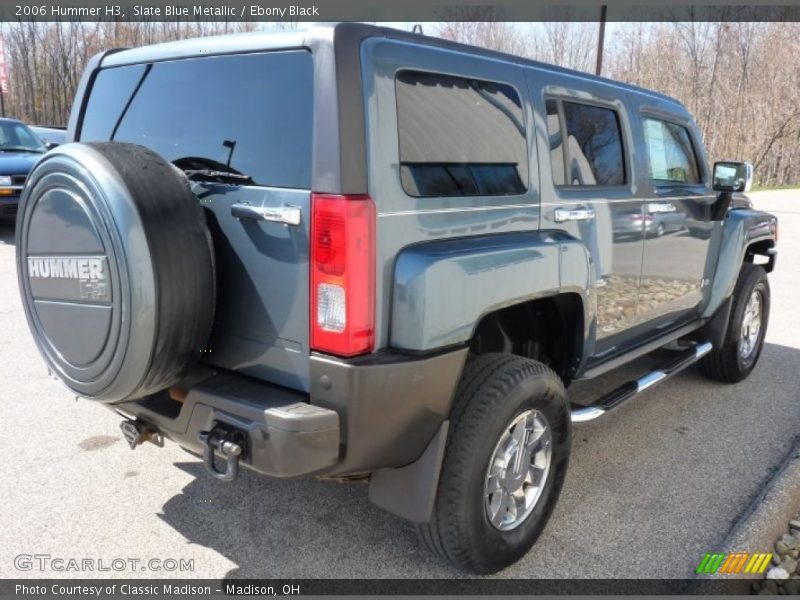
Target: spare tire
x: 115, y: 269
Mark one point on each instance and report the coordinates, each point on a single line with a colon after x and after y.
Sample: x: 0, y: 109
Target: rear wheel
x: 504, y: 465
x: 747, y: 325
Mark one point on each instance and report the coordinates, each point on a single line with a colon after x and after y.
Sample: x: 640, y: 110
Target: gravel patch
x: 783, y: 577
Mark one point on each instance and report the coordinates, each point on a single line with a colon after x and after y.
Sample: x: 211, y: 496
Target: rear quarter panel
x: 442, y: 289
x: 403, y: 220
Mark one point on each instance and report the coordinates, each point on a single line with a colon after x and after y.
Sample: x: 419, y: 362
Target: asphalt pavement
x: 651, y: 488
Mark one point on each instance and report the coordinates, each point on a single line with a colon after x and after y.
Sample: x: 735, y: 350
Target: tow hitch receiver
x: 137, y: 432
x: 227, y: 441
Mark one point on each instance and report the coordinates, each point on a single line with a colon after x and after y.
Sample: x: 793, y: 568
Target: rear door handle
x: 573, y: 214
x: 286, y: 215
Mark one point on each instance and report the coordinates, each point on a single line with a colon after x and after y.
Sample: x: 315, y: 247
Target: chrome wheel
x: 751, y: 325
x: 518, y: 470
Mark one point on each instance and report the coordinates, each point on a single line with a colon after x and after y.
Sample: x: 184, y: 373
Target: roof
x: 322, y: 34
x: 219, y: 44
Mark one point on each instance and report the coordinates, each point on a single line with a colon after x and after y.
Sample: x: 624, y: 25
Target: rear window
x: 460, y: 136
x: 251, y: 113
x: 593, y: 153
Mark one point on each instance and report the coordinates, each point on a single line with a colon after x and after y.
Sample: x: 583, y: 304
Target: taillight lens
x: 342, y: 274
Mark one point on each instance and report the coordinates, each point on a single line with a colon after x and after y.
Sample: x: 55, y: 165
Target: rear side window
x: 459, y: 136
x: 593, y: 152
x: 110, y: 93
x: 672, y: 156
x: 250, y: 113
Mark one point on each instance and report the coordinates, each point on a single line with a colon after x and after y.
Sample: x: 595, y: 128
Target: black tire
x: 727, y: 363
x: 494, y: 389
x: 145, y: 312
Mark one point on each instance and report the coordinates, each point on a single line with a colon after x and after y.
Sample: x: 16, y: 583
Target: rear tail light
x: 342, y: 274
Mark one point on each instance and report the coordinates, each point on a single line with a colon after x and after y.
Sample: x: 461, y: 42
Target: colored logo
x: 733, y: 563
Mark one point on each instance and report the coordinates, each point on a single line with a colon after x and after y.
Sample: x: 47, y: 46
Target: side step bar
x: 630, y: 389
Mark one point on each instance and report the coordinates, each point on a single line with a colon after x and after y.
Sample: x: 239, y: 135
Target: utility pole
x: 601, y: 39
x: 3, y: 77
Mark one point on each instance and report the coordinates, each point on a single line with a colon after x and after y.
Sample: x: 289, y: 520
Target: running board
x: 632, y: 388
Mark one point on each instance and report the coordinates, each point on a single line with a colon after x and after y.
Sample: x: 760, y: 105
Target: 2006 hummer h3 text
x: 354, y: 251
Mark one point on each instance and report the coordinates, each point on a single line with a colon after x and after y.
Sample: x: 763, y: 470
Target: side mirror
x: 50, y: 145
x: 732, y: 177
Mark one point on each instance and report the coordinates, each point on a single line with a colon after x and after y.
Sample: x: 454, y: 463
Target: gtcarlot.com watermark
x: 47, y: 562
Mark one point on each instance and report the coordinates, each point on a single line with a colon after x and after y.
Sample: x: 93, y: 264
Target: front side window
x: 459, y: 136
x: 672, y: 157
x: 250, y: 113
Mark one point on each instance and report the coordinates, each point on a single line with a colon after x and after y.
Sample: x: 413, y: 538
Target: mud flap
x: 410, y: 491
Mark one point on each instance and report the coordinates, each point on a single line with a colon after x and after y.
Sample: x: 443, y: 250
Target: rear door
x: 251, y: 114
x: 591, y: 195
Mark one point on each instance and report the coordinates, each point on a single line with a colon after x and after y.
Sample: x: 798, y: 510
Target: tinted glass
x: 556, y: 147
x: 250, y: 113
x: 460, y: 137
x: 110, y: 93
x: 672, y: 157
x: 594, y: 145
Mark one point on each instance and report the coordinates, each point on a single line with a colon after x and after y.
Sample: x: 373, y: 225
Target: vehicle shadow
x: 309, y: 528
x: 6, y: 233
x: 297, y: 528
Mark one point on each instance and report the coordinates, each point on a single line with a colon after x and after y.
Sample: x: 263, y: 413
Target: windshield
x: 16, y: 137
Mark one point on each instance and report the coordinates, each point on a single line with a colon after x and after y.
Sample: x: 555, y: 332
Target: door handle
x: 573, y: 214
x: 285, y: 215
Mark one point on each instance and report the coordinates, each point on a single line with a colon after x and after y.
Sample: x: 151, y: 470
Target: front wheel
x: 747, y: 326
x: 505, y: 462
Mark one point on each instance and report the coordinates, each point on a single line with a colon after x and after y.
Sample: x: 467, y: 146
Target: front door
x: 677, y: 227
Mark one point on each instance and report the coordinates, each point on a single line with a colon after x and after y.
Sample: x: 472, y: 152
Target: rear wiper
x: 217, y: 175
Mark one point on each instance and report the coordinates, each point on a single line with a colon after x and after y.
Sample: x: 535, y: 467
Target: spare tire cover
x: 115, y: 269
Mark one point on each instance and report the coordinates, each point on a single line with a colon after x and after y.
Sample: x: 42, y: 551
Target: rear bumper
x: 390, y: 406
x: 285, y: 436
x: 628, y: 229
x: 364, y: 414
